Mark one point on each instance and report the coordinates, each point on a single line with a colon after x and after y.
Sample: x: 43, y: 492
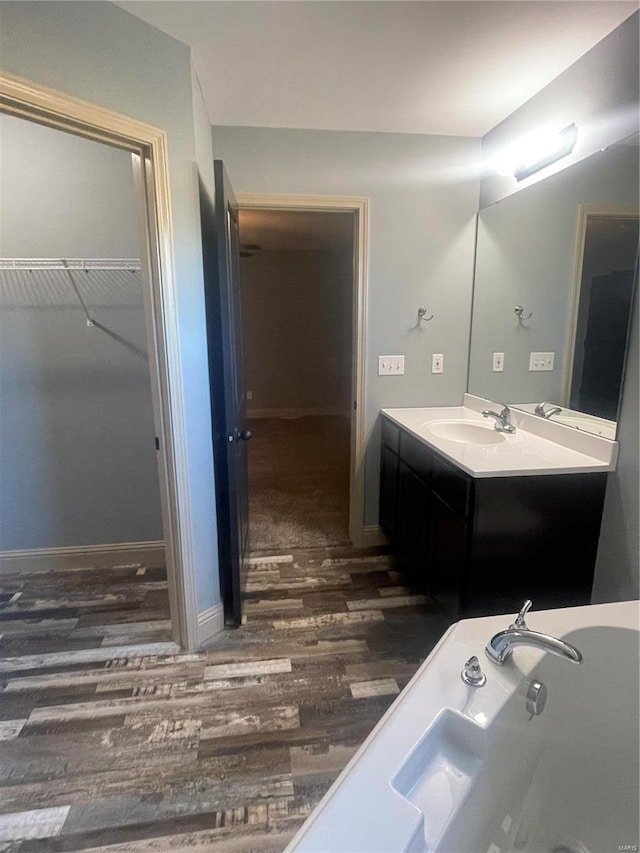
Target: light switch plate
x: 390, y: 365
x: 498, y: 362
x: 541, y: 361
x: 437, y: 362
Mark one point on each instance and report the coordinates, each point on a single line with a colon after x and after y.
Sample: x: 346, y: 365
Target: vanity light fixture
x: 537, y: 151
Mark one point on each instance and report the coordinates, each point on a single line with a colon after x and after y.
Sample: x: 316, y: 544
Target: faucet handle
x: 472, y: 673
x: 520, y: 621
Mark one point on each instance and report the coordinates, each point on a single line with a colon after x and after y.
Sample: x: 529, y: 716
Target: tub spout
x: 501, y: 646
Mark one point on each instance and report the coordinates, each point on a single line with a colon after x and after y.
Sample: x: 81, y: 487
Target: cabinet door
x: 448, y: 546
x: 412, y: 527
x: 388, y: 493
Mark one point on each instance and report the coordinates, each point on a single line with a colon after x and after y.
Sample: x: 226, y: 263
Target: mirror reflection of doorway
x: 606, y: 294
x: 297, y: 271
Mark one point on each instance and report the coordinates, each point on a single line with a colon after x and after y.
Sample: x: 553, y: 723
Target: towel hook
x: 422, y: 311
x: 519, y: 312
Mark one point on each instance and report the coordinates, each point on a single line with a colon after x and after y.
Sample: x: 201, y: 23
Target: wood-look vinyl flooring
x: 62, y: 611
x: 136, y: 747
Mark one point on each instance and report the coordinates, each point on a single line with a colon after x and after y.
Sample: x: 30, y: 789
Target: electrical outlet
x: 541, y: 361
x: 437, y: 362
x: 390, y: 365
x: 498, y: 362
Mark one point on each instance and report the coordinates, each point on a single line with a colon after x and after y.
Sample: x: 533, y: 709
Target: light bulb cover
x: 560, y: 146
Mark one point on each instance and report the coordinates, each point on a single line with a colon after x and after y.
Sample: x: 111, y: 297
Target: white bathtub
x: 464, y: 770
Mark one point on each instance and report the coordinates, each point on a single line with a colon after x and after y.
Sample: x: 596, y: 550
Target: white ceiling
x: 295, y: 231
x: 430, y: 66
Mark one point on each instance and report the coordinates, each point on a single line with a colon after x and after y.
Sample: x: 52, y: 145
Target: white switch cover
x: 541, y: 360
x: 249, y: 395
x: 498, y: 362
x: 437, y: 362
x: 390, y: 365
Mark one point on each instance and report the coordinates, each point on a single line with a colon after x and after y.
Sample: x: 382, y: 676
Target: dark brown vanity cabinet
x: 480, y: 546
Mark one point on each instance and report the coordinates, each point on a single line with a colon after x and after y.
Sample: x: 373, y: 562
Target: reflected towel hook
x: 422, y: 311
x: 519, y: 312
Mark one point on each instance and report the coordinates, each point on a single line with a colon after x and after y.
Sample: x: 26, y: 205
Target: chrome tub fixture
x: 501, y: 646
x: 472, y: 674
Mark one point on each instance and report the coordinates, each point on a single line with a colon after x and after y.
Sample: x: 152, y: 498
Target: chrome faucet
x: 501, y: 646
x: 539, y: 410
x: 503, y: 420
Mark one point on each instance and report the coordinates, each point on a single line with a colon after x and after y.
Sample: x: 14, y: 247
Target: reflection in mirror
x: 603, y: 306
x: 565, y: 249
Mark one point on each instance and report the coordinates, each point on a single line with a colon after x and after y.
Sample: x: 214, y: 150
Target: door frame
x: 359, y: 535
x: 609, y: 211
x: 148, y: 145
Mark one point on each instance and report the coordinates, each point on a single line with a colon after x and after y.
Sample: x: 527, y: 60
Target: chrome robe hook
x: 519, y: 312
x: 422, y: 311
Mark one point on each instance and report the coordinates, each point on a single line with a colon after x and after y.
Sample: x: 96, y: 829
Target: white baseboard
x: 295, y: 413
x: 371, y: 536
x: 210, y: 623
x: 82, y: 556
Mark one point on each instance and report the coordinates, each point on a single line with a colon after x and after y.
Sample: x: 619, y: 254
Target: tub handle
x: 472, y: 673
x: 536, y: 698
x: 520, y: 620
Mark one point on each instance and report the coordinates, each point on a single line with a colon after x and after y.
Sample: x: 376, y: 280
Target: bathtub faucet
x: 501, y: 646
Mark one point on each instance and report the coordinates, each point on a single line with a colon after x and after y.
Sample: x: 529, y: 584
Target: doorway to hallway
x: 297, y: 281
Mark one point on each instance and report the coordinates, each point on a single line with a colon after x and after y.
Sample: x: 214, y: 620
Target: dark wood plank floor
x: 61, y: 611
x: 133, y: 748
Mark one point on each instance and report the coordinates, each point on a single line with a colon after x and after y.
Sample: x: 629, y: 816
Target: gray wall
x: 525, y: 255
x: 64, y: 196
x: 296, y: 321
x: 601, y: 90
x: 77, y: 458
x: 424, y: 197
x: 96, y: 51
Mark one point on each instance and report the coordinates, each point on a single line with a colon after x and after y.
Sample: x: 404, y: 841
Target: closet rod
x: 132, y: 264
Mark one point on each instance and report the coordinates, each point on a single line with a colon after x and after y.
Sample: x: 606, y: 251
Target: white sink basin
x: 466, y: 432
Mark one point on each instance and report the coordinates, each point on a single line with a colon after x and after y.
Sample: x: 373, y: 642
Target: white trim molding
x: 210, y: 623
x: 36, y: 560
x: 360, y: 206
x: 149, y: 148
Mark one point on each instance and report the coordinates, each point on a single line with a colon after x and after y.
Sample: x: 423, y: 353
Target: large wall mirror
x: 556, y: 266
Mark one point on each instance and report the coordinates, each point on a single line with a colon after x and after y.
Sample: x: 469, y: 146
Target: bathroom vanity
x: 481, y: 520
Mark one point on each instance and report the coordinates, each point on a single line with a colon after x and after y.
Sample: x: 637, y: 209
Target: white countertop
x: 537, y: 446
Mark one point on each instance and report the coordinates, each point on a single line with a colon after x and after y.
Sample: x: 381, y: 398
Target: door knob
x: 245, y: 434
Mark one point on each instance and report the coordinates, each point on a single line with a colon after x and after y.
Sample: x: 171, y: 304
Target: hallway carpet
x: 298, y: 483
x: 140, y: 749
